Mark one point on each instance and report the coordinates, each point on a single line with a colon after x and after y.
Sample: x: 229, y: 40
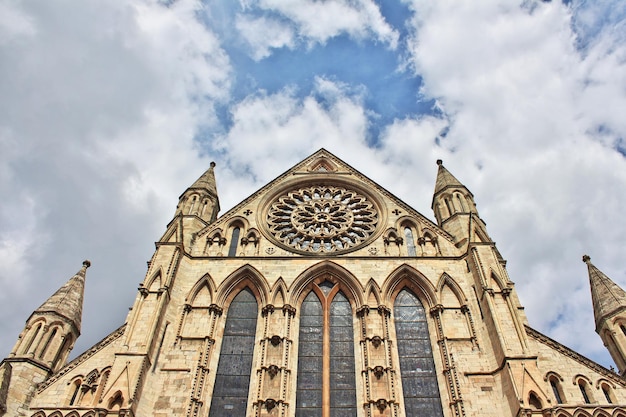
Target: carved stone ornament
x: 376, y: 341
x: 270, y: 404
x: 381, y: 404
x: 378, y: 371
x: 275, y: 340
x: 322, y: 219
x: 272, y: 371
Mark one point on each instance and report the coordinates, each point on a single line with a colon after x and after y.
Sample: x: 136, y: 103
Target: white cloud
x: 264, y: 34
x: 317, y: 22
x: 101, y: 104
x: 533, y: 125
x: 285, y: 127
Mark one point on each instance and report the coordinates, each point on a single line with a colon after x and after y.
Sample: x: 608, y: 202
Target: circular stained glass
x: 322, y: 219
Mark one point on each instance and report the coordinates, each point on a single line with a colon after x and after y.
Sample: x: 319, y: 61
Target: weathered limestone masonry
x: 321, y: 294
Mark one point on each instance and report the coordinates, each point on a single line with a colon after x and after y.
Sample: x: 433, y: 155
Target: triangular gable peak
x: 324, y: 229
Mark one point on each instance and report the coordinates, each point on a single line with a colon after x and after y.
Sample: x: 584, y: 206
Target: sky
x: 110, y: 109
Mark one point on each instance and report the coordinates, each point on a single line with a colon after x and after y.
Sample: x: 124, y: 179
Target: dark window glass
x: 583, y: 391
x: 309, y: 387
x: 555, y: 390
x: 417, y: 368
x: 235, y: 364
x: 342, y: 380
x: 232, y: 249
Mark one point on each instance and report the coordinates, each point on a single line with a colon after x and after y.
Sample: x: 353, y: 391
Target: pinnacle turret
x: 445, y: 179
x: 207, y: 181
x: 607, y: 297
x: 455, y: 209
x: 201, y: 199
x: 67, y: 301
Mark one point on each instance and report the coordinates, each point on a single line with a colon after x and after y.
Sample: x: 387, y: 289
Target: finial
x: 212, y: 164
x: 86, y: 263
x: 439, y: 162
x: 586, y: 259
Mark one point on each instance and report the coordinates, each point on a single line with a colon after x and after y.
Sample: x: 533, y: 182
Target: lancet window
x: 326, y: 382
x: 232, y: 379
x: 410, y: 241
x: 417, y: 367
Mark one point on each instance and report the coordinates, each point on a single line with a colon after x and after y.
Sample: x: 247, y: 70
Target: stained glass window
x: 410, y: 242
x: 342, y: 379
x: 326, y: 367
x: 419, y: 378
x: 309, y: 387
x: 232, y: 249
x: 235, y: 364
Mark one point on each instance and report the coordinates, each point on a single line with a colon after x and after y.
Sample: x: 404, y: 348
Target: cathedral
x: 320, y: 295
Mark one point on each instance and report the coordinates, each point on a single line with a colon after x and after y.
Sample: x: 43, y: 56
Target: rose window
x: 322, y: 219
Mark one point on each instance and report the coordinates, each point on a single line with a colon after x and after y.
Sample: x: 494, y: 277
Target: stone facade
x: 321, y: 294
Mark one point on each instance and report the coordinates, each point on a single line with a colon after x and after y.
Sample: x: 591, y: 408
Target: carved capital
x: 378, y: 371
x: 464, y: 309
x: 436, y: 310
x: 143, y: 290
x: 268, y: 309
x: 384, y: 311
x: 506, y: 292
x: 363, y: 311
x: 289, y: 310
x: 187, y: 308
x: 215, y: 309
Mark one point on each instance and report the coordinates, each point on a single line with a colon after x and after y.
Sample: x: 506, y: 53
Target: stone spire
x: 207, y: 181
x: 68, y: 300
x: 201, y: 199
x: 445, y: 179
x: 607, y: 297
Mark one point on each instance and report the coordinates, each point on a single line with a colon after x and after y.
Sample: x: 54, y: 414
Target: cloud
x: 534, y: 127
x: 317, y: 22
x: 101, y: 104
x: 264, y: 34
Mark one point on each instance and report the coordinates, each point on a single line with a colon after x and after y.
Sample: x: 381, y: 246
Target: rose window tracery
x: 322, y: 219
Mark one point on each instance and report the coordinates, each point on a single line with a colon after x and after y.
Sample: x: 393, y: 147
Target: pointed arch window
x: 232, y: 378
x: 417, y: 366
x: 556, y: 390
x: 606, y: 390
x: 47, y: 345
x: 582, y: 385
x: 75, y: 391
x: 32, y: 338
x: 410, y: 242
x: 232, y: 249
x: 326, y: 383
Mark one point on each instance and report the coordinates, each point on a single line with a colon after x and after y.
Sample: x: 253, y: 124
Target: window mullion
x: 326, y: 360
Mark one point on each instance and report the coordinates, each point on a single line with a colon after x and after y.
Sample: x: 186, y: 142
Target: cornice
x: 540, y: 337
